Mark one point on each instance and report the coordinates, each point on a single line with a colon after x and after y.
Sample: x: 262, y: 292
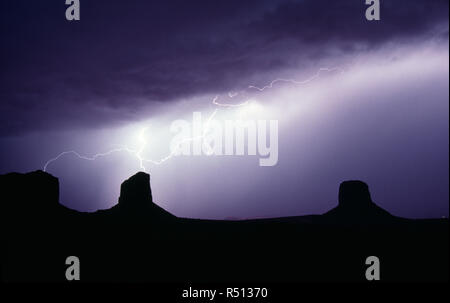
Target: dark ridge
x: 135, y: 192
x: 29, y: 194
x: 138, y: 241
x: 136, y: 201
x: 356, y: 206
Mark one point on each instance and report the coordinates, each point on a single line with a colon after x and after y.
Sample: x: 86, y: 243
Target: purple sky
x: 90, y: 85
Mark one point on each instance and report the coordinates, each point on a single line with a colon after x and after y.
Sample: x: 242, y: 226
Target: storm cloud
x: 121, y: 61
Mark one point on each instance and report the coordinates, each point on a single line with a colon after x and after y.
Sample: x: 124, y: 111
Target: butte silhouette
x: 138, y: 241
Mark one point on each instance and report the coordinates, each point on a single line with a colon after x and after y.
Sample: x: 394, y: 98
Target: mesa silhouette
x: 138, y: 241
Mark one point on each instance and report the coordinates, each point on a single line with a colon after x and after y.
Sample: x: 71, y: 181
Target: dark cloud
x: 127, y: 55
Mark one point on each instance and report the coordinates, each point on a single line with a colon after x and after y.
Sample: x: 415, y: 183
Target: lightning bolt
x: 214, y: 101
x: 91, y: 158
x: 303, y: 82
x: 143, y: 143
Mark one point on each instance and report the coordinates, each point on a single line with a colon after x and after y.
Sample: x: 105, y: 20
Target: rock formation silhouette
x: 29, y: 195
x: 136, y: 240
x: 356, y: 205
x: 135, y: 192
x: 136, y: 200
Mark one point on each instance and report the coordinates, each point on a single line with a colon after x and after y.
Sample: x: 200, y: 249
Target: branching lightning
x: 306, y: 81
x: 143, y: 143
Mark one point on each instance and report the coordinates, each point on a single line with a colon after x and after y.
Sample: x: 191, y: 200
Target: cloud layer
x: 122, y: 60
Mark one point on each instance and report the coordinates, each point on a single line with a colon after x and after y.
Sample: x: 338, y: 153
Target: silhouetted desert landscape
x: 138, y: 241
